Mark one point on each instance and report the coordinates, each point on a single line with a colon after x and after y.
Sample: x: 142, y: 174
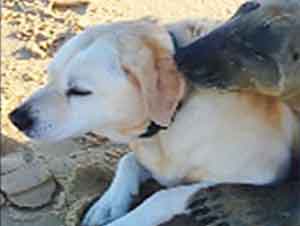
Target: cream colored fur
x: 217, y: 137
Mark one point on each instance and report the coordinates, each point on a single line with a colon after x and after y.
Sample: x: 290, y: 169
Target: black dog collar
x: 154, y: 128
x: 175, y: 43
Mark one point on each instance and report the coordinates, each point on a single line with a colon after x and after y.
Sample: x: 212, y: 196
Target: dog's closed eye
x: 77, y: 92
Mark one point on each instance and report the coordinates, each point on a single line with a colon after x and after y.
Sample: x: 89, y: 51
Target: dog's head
x: 113, y: 79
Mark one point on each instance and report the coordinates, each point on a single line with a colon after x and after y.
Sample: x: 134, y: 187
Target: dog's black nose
x: 20, y: 117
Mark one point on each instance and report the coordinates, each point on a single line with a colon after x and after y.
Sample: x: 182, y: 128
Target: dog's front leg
x: 116, y: 200
x: 161, y: 207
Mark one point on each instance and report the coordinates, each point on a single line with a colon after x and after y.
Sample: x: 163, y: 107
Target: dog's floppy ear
x: 166, y: 88
x: 160, y: 83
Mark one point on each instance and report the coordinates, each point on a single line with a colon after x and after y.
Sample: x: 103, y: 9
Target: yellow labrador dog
x: 120, y: 80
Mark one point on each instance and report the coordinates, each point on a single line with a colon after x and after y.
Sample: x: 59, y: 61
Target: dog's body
x: 250, y: 134
x: 116, y: 79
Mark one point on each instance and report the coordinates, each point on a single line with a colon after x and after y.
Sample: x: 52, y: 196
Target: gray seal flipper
x: 258, y: 49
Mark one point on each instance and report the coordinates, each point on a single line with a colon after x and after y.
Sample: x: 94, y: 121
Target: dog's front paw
x: 104, y: 211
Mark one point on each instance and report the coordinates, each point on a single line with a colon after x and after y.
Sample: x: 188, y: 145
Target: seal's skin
x: 243, y: 205
x: 258, y: 49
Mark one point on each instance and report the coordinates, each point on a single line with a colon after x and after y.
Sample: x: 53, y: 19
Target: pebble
x: 27, y: 184
x: 69, y: 2
x: 35, y: 197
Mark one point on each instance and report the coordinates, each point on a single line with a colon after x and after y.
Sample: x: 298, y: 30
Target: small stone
x: 26, y: 77
x: 28, y: 52
x: 69, y: 2
x: 36, y: 197
x: 24, y: 178
x: 41, y: 37
x: 29, y: 185
x: 23, y: 54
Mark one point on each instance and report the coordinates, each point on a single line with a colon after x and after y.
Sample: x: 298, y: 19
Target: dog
x: 120, y: 80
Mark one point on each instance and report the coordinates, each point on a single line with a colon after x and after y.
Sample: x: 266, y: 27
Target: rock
x: 35, y: 197
x: 24, y: 178
x: 26, y: 53
x: 28, y: 185
x: 69, y: 2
